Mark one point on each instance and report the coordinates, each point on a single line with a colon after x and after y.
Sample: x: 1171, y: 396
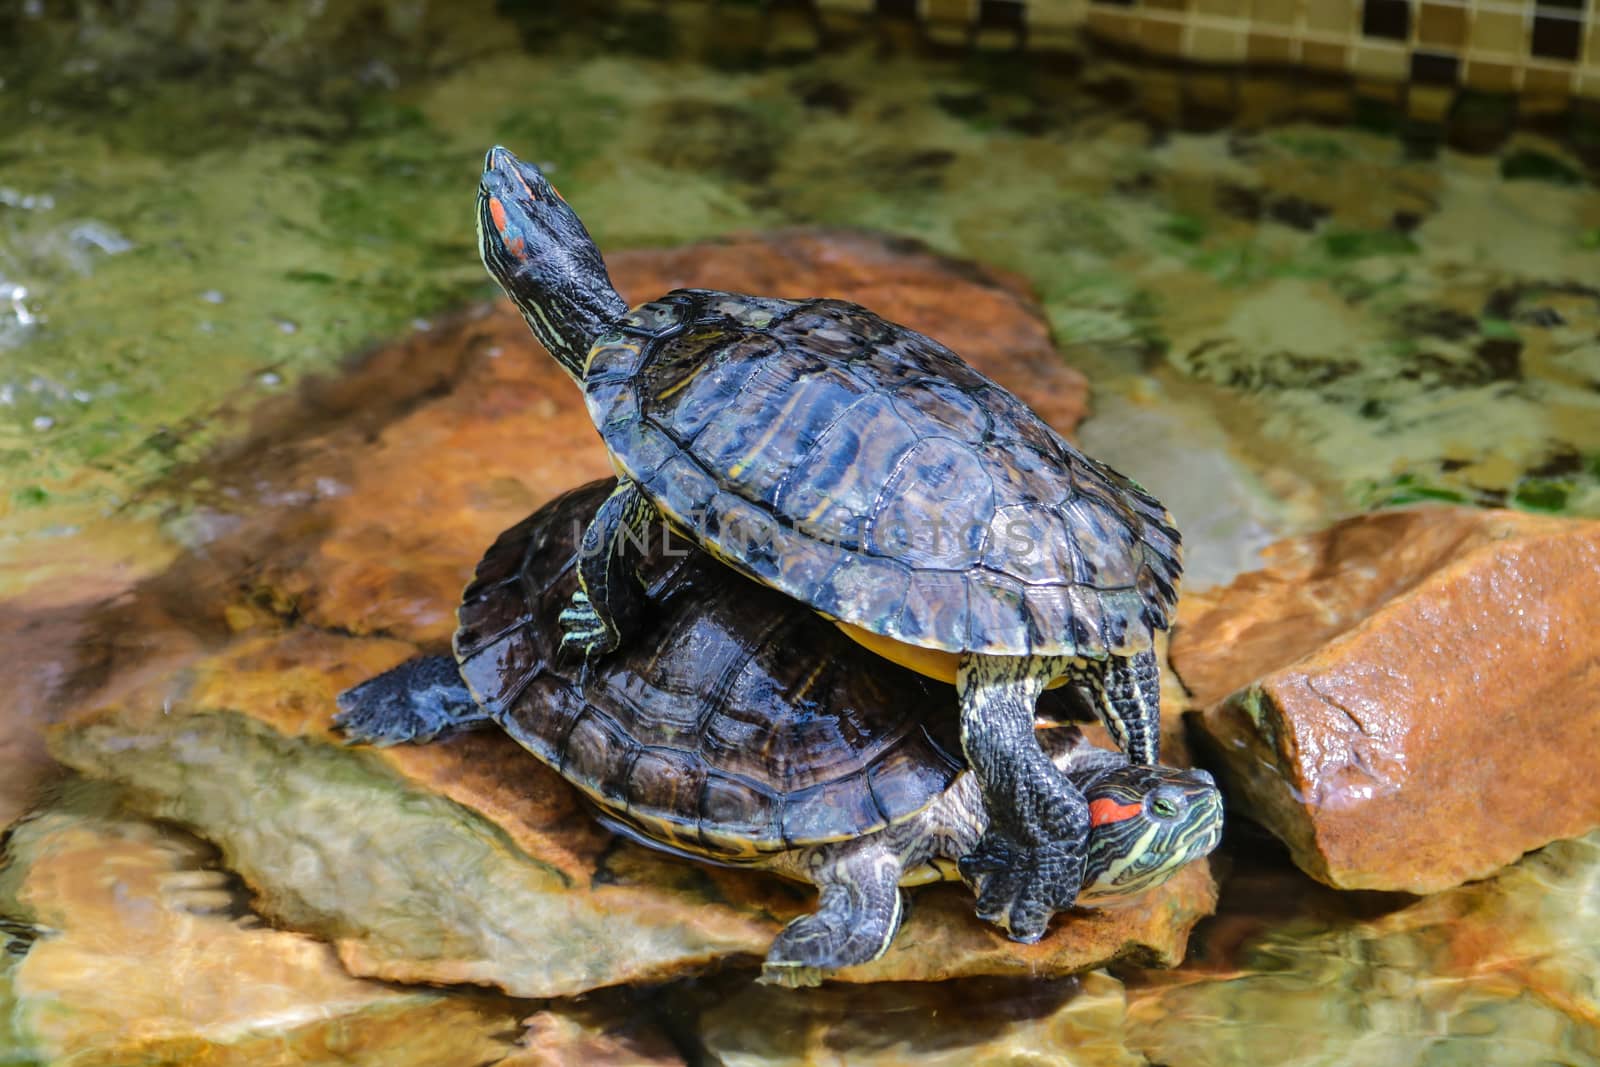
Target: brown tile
x: 1271, y: 48
x: 1499, y: 33
x: 1113, y: 23
x: 1430, y: 103
x: 1442, y: 23
x: 1381, y: 61
x: 1272, y: 13
x: 1211, y: 44
x: 1320, y: 55
x: 947, y: 10
x: 1333, y: 16
x: 1163, y: 35
x: 1165, y: 5
x: 1226, y: 9
x: 1492, y: 76
x: 1055, y: 18
x: 1547, y: 81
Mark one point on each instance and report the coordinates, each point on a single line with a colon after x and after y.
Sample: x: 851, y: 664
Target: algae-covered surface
x: 201, y: 204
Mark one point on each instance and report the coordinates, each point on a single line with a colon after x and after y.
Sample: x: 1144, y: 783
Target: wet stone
x: 146, y: 953
x: 210, y: 687
x: 572, y: 1034
x: 1406, y: 698
x: 1074, y: 1022
x: 1498, y: 973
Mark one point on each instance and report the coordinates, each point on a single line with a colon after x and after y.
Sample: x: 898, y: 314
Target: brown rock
x: 468, y: 861
x: 1074, y: 1022
x: 334, y: 544
x: 140, y: 961
x: 572, y: 1034
x: 1409, y: 699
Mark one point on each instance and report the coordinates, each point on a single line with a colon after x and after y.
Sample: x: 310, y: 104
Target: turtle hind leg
x: 859, y: 909
x: 419, y: 700
x: 1029, y: 863
x: 607, y: 607
x: 1126, y: 694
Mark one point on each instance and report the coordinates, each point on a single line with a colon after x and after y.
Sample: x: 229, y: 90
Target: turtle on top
x: 740, y: 728
x: 866, y: 471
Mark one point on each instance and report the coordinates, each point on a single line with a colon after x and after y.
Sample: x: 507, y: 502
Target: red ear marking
x: 497, y: 212
x: 1106, y: 810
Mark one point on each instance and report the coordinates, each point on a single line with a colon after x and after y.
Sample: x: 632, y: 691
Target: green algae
x: 262, y: 220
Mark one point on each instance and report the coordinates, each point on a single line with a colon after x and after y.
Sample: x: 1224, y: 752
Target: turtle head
x: 535, y: 246
x: 1145, y: 824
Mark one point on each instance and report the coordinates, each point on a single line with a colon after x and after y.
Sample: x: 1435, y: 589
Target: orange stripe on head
x: 497, y: 212
x: 1105, y: 810
x: 525, y: 184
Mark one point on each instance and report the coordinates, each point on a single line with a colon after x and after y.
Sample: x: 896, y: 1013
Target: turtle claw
x: 584, y: 634
x: 1020, y: 887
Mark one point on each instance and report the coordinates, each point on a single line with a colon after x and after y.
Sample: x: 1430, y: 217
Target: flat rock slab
x: 1409, y: 699
x: 334, y: 544
x: 141, y: 958
x: 469, y: 861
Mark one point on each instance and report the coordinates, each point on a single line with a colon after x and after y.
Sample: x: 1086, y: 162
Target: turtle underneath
x: 865, y: 470
x: 742, y: 729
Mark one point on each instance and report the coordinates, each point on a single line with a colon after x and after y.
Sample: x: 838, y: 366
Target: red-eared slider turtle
x: 865, y: 470
x: 741, y: 728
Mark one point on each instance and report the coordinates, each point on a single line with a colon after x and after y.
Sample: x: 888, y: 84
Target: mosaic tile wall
x: 1546, y: 51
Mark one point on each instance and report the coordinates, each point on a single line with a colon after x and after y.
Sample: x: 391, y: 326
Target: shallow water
x: 207, y: 210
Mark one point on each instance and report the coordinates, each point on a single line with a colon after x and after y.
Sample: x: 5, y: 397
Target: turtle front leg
x: 417, y: 701
x: 1126, y: 694
x: 859, y: 908
x: 610, y: 601
x: 1030, y: 862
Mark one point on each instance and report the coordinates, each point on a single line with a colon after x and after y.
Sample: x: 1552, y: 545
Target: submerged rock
x: 142, y: 954
x: 1408, y: 699
x: 576, y: 1034
x: 336, y: 543
x: 1499, y: 973
x: 1075, y: 1022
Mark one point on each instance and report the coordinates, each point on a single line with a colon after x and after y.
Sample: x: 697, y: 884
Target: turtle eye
x: 1164, y: 806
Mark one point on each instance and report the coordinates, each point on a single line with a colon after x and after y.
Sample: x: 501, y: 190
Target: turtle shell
x: 737, y: 723
x: 866, y: 470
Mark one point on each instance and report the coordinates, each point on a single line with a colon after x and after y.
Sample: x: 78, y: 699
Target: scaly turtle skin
x: 743, y: 729
x: 866, y: 471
